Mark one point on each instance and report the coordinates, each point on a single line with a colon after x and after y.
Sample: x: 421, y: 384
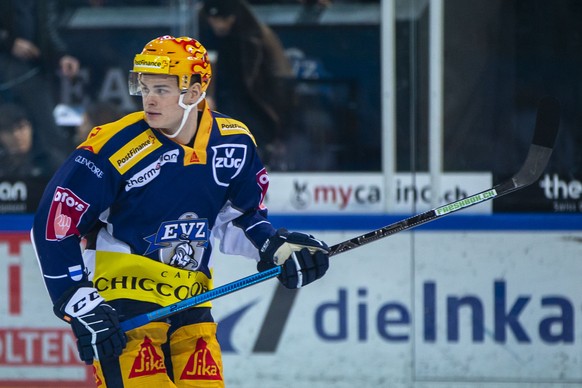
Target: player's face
x: 160, y: 95
x: 221, y: 25
x: 18, y: 140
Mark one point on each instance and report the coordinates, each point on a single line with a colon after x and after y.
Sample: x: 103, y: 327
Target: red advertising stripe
x: 14, y: 281
x: 15, y: 240
x: 41, y: 357
x: 37, y: 347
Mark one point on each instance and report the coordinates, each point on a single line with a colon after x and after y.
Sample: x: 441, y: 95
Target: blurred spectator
x: 251, y: 72
x: 96, y: 114
x: 30, y: 52
x: 16, y: 133
x: 113, y: 3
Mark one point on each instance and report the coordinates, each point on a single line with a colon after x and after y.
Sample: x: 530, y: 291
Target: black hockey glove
x: 303, y: 258
x: 94, y: 323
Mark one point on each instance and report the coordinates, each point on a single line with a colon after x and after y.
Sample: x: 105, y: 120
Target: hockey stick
x: 540, y: 150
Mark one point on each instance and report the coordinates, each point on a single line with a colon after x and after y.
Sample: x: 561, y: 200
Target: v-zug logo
x: 151, y: 172
x: 227, y: 162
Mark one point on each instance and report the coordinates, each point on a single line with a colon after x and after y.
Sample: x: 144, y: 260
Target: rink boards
x: 464, y: 301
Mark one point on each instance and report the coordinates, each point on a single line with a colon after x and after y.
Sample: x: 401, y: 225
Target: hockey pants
x: 191, y: 358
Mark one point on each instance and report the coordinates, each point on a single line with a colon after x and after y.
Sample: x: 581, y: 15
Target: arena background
x: 488, y: 297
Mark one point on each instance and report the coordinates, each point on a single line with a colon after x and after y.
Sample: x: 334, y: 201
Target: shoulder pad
x: 228, y: 126
x: 100, y: 135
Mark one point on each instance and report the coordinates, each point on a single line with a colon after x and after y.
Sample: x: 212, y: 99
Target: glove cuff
x: 77, y: 301
x: 271, y: 245
x: 279, y: 247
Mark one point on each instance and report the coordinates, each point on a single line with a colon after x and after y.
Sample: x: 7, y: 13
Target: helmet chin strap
x: 187, y: 108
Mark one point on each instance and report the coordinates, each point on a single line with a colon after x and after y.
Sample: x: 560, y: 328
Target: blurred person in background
x: 95, y: 114
x: 16, y: 156
x: 252, y: 73
x: 31, y: 55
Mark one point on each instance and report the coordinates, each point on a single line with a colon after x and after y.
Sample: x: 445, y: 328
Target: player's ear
x: 193, y: 94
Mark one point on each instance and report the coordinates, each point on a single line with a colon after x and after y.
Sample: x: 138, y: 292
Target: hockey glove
x: 303, y: 258
x: 94, y: 323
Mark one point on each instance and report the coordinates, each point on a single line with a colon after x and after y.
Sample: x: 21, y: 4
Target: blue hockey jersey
x: 158, y: 207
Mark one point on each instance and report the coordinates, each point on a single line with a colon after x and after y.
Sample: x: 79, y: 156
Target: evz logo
x: 181, y: 243
x: 178, y: 231
x: 227, y: 162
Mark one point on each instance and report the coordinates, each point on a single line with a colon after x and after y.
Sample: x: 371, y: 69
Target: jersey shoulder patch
x: 127, y: 141
x: 136, y: 149
x: 228, y: 126
x: 100, y: 135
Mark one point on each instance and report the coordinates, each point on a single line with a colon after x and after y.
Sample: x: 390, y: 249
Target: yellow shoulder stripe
x: 134, y: 151
x: 100, y: 135
x: 228, y: 126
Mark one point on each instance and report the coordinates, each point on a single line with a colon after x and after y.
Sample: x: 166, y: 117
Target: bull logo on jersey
x: 181, y: 243
x: 228, y: 162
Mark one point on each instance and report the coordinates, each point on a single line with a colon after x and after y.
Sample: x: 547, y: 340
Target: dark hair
x: 11, y: 115
x: 196, y: 78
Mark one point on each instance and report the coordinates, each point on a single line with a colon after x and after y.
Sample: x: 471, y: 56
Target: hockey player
x: 128, y: 223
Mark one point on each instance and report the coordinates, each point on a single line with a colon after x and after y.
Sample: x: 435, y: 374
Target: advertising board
x: 436, y: 307
x: 365, y: 192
